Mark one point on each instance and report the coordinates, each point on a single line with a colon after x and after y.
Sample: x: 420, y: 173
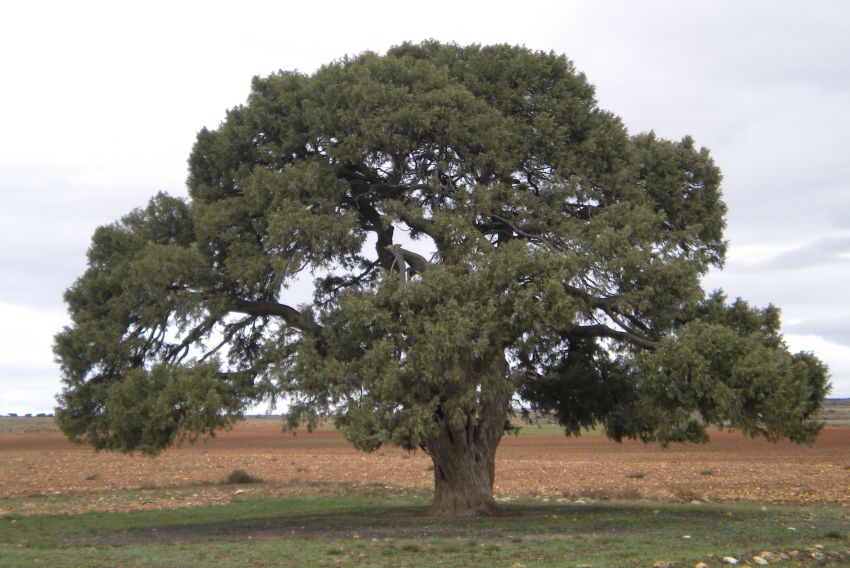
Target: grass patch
x: 393, y: 531
x: 552, y: 430
x: 21, y: 424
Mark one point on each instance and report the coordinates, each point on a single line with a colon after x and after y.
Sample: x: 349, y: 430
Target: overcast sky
x: 101, y: 102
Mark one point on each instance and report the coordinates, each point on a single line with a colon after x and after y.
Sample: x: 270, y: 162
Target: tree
x: 564, y: 279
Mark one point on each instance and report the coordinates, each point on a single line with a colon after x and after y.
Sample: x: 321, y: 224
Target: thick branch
x: 290, y: 315
x: 414, y: 261
x: 600, y: 330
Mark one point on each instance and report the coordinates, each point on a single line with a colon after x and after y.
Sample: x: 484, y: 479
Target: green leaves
x: 737, y: 375
x: 149, y: 410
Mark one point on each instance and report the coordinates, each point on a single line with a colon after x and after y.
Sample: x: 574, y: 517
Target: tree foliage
x: 565, y: 274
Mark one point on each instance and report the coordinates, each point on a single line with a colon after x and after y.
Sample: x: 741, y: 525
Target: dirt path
x: 731, y: 467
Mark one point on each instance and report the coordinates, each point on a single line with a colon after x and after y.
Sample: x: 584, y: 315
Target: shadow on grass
x: 394, y: 518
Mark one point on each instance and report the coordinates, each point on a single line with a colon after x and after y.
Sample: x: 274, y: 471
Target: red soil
x: 731, y: 467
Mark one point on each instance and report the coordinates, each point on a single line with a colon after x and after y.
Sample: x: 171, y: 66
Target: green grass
x: 552, y: 430
x: 393, y: 531
x: 19, y: 424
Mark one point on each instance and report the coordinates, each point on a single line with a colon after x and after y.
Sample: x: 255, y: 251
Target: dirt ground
x: 731, y: 467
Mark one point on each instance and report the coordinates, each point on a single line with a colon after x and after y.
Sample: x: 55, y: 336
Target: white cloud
x: 836, y: 356
x: 28, y: 343
x: 28, y: 379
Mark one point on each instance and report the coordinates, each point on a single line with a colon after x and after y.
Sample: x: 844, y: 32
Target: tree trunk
x: 463, y: 475
x: 464, y: 460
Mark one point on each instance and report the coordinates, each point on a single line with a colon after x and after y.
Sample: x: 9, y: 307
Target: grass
x: 19, y: 424
x: 393, y: 531
x: 551, y: 430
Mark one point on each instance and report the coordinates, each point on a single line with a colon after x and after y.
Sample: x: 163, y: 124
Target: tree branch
x: 415, y: 262
x: 288, y: 314
x: 600, y: 330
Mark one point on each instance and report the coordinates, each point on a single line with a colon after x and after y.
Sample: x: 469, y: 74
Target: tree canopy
x: 558, y: 271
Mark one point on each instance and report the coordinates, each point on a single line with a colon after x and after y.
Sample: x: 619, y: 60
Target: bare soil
x: 732, y: 467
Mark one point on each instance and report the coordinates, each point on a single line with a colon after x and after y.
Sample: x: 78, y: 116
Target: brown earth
x: 732, y: 467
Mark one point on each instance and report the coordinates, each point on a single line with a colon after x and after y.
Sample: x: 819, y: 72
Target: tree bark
x: 464, y: 460
x: 463, y: 476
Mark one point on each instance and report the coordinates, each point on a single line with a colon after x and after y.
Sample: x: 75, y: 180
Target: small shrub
x: 91, y: 477
x: 684, y: 494
x: 636, y: 475
x: 240, y: 476
x: 707, y: 471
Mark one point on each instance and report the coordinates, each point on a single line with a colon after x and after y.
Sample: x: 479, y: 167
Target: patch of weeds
x: 636, y: 475
x: 684, y: 494
x: 833, y: 534
x: 91, y: 477
x: 335, y: 552
x: 240, y: 476
x: 708, y: 471
x: 410, y: 547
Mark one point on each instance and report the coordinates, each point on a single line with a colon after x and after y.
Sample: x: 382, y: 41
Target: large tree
x: 558, y: 272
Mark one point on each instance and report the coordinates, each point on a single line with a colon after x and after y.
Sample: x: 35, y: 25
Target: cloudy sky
x: 101, y: 102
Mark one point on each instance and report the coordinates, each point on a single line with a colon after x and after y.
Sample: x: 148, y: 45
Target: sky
x: 101, y: 103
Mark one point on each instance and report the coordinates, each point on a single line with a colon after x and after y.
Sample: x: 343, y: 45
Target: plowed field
x: 731, y: 467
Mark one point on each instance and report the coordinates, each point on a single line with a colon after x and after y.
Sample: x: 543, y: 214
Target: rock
x: 686, y: 536
x: 664, y: 564
x: 767, y: 555
x: 238, y: 492
x: 579, y: 501
x: 820, y: 547
x: 729, y: 560
x: 818, y: 556
x: 696, y: 502
x: 794, y: 554
x: 701, y: 565
x: 760, y: 560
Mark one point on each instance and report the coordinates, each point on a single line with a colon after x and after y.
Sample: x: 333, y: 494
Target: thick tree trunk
x: 464, y: 459
x: 464, y: 471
